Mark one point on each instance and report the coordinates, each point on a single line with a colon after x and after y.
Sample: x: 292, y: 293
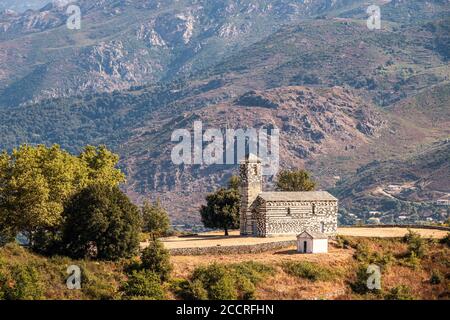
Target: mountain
x: 396, y: 188
x: 342, y: 96
x: 130, y: 43
x: 23, y: 5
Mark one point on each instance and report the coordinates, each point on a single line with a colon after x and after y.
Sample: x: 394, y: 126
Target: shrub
x: 342, y: 242
x: 253, y: 271
x: 143, y: 284
x: 156, y: 258
x: 436, y: 277
x: 248, y: 274
x: 411, y: 261
x: 216, y: 281
x: 360, y: 286
x: 308, y: 270
x: 21, y: 283
x: 95, y: 287
x: 416, y: 244
x: 222, y: 282
x: 401, y: 292
x: 446, y: 240
x: 101, y: 222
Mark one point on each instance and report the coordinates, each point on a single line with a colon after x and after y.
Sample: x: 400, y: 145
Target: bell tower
x: 251, y: 187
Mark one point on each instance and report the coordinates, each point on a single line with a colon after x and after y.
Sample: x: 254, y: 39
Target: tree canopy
x: 297, y: 180
x: 37, y: 181
x: 222, y: 210
x: 101, y: 222
x: 155, y: 219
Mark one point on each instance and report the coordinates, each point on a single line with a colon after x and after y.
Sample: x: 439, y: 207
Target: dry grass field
x: 344, y: 262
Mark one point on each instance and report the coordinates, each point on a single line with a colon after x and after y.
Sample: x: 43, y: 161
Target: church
x: 269, y: 214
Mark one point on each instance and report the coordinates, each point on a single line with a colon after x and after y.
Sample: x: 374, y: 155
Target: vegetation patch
x: 223, y: 282
x: 309, y: 270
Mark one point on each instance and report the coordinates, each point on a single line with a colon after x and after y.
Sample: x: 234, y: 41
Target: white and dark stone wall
x: 293, y: 217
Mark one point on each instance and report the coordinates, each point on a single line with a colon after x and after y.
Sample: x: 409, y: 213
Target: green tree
x: 221, y: 210
x: 143, y: 284
x: 156, y: 258
x: 36, y: 182
x: 234, y: 183
x: 298, y: 180
x: 101, y: 222
x: 155, y: 219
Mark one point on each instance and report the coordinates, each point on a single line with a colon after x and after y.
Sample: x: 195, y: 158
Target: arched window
x: 289, y: 212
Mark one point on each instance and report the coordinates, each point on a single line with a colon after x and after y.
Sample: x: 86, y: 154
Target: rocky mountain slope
x: 131, y: 43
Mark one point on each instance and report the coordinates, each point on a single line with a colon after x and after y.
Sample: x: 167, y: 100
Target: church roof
x: 297, y: 196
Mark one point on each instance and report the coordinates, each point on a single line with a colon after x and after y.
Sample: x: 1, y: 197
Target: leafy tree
x: 143, y: 284
x: 101, y: 221
x: 155, y: 219
x: 234, y: 183
x: 156, y: 258
x: 36, y: 182
x: 298, y: 180
x: 221, y: 210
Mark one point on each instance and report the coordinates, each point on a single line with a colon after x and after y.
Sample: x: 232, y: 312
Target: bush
x: 416, y: 244
x: 143, y: 284
x: 101, y: 222
x: 248, y: 274
x: 222, y: 282
x: 401, y: 292
x: 446, y: 240
x: 436, y: 277
x: 359, y: 286
x: 21, y: 283
x: 156, y: 258
x: 342, y: 242
x: 253, y: 271
x: 216, y: 282
x: 411, y: 261
x: 308, y: 270
x: 95, y: 287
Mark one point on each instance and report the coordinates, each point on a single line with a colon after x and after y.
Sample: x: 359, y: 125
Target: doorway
x: 305, y: 246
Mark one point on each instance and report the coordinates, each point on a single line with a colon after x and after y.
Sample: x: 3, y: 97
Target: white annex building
x: 312, y: 242
x: 268, y: 214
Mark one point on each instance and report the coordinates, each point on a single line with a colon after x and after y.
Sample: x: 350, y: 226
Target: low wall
x: 408, y: 226
x: 254, y: 248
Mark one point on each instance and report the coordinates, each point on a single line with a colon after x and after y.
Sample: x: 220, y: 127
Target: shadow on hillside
x: 202, y: 237
x: 287, y: 252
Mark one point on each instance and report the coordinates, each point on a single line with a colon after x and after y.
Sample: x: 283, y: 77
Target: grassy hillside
x: 271, y: 275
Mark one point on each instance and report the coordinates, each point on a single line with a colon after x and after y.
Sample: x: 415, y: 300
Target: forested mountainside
x: 342, y: 95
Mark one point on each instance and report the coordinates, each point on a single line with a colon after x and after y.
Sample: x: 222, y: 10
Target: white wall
x: 313, y: 246
x: 320, y: 245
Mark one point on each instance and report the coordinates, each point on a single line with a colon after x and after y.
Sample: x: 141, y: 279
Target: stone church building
x: 268, y: 214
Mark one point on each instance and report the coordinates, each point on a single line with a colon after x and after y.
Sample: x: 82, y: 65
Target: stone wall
x: 219, y: 250
x: 291, y: 218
